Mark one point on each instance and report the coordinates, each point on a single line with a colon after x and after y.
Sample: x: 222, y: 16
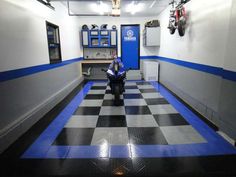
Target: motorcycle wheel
x: 171, y: 28
x: 181, y: 28
x: 117, y: 95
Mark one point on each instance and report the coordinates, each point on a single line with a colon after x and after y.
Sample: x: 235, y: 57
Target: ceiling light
x: 153, y: 3
x: 100, y: 7
x: 134, y: 7
x: 46, y: 3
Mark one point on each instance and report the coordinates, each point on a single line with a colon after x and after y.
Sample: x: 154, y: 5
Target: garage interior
x: 65, y: 110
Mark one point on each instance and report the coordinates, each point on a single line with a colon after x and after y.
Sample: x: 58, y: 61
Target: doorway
x: 130, y: 46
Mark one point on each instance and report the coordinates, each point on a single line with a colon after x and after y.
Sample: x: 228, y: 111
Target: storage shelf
x: 87, y: 38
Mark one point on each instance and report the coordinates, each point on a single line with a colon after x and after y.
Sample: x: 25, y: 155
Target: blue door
x: 130, y: 46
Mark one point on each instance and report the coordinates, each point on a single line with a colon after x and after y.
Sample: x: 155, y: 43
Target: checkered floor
x: 144, y: 117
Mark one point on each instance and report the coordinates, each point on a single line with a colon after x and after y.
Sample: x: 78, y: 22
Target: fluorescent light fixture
x: 46, y: 3
x: 100, y: 8
x: 134, y: 7
x: 153, y: 3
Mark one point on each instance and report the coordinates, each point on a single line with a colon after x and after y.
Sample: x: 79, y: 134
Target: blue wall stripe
x: 148, y: 57
x: 226, y: 74
x: 13, y: 74
x: 229, y: 75
x: 200, y: 67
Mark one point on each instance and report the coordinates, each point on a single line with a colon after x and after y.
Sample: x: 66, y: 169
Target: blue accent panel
x: 13, y: 74
x: 42, y: 147
x: 130, y: 46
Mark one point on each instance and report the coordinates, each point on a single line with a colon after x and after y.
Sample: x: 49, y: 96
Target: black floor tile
x: 137, y: 110
x: 204, y: 166
x: 170, y: 120
x: 87, y: 111
x: 131, y: 87
x: 148, y: 90
x: 143, y: 83
x: 146, y: 136
x: 132, y: 96
x: 98, y: 87
x: 121, y: 167
x: 75, y: 136
x: 94, y: 96
x: 108, y: 91
x: 112, y: 103
x: 111, y: 121
x: 156, y: 101
x: 86, y: 167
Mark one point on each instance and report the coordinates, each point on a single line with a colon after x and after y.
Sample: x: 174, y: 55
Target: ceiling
x: 140, y: 8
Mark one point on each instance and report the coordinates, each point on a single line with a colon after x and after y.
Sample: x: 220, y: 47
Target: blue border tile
x: 42, y: 147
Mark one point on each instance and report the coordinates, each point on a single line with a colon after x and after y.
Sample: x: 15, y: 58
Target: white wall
x: 230, y: 54
x: 206, y: 35
x: 144, y: 51
x: 23, y: 33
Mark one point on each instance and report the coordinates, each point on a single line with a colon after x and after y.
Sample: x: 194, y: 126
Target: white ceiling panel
x: 141, y: 8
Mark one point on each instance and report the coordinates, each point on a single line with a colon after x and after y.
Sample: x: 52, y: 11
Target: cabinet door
x: 85, y: 37
x: 153, y: 36
x: 113, y: 38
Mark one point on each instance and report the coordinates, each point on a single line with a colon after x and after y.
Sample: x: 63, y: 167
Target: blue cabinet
x: 99, y: 38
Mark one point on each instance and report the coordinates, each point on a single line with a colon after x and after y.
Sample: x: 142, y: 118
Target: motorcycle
x: 178, y: 17
x: 116, y: 79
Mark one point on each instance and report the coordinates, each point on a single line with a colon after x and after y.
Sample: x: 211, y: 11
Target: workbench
x: 96, y: 65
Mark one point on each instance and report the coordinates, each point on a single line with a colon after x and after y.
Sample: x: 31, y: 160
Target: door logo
x: 130, y: 36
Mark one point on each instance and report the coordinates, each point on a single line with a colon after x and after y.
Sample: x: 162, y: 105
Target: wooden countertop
x: 96, y: 61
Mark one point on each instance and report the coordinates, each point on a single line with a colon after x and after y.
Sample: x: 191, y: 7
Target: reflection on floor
x: 148, y: 126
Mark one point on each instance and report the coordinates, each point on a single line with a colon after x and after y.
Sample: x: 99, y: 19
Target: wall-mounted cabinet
x: 151, y: 36
x: 99, y: 38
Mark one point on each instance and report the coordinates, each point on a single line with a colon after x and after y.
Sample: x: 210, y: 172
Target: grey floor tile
x: 130, y: 83
x: 135, y: 102
x: 132, y: 91
x: 112, y: 110
x: 111, y: 97
x: 185, y: 134
x: 110, y: 136
x: 152, y: 95
x: 162, y: 109
x: 145, y: 87
x: 91, y: 103
x: 141, y: 121
x: 99, y: 83
x: 96, y: 91
x: 82, y: 122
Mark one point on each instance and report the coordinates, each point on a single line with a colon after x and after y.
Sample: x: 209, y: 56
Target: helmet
x: 114, y: 27
x: 85, y: 27
x: 103, y: 26
x: 94, y: 26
